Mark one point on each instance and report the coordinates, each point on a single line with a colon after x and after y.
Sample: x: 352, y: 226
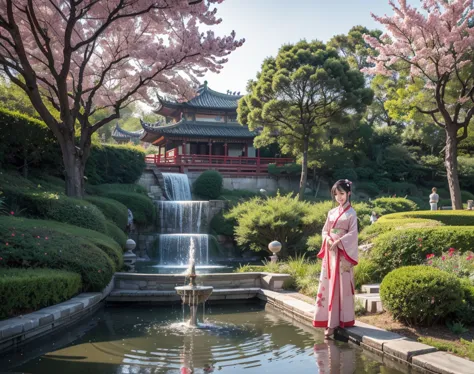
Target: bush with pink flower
x: 453, y: 261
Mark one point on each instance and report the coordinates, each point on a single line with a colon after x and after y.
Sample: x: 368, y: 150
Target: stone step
x: 371, y: 302
x: 370, y: 288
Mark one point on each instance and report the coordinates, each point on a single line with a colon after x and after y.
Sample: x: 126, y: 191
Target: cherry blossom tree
x: 436, y: 43
x: 83, y: 56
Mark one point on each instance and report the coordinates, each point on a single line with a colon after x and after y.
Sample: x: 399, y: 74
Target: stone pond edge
x: 396, y: 348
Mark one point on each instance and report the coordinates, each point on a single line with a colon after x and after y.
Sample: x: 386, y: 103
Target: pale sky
x: 268, y: 24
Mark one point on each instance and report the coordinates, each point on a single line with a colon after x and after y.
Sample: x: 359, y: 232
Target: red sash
x: 324, y: 253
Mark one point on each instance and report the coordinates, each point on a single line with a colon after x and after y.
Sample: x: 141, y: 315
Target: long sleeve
x: 325, y: 231
x: 349, y: 241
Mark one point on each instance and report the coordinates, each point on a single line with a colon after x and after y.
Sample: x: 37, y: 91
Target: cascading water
x: 181, y: 221
x: 177, y: 186
x: 178, y: 217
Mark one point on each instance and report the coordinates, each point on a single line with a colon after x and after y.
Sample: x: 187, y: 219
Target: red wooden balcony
x: 244, y: 166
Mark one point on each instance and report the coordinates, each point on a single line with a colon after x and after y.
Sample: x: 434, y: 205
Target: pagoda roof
x: 119, y: 133
x: 205, y: 99
x: 196, y: 129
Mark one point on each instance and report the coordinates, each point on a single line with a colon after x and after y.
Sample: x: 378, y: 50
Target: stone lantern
x: 274, y: 247
x: 470, y: 204
x: 129, y: 258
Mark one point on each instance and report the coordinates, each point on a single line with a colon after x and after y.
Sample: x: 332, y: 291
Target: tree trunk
x: 304, y: 169
x: 451, y: 164
x: 74, y: 164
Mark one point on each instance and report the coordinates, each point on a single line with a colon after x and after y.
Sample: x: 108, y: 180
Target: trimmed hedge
x: 208, y: 185
x: 27, y: 142
x: 57, y: 207
x: 388, y: 205
x: 421, y: 295
x: 115, y: 164
x: 141, y: 206
x: 36, y: 243
x: 116, y: 233
x: 102, y: 189
x: 398, y: 248
x: 448, y: 217
x: 382, y: 226
x: 25, y: 290
x: 112, y: 209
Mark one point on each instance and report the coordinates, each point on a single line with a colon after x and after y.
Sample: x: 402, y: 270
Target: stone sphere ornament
x: 130, y: 244
x: 274, y: 247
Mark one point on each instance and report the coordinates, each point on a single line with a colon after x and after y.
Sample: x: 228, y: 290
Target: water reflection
x: 332, y: 359
x: 152, y: 340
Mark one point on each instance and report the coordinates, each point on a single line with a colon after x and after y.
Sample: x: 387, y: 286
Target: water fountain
x: 192, y: 294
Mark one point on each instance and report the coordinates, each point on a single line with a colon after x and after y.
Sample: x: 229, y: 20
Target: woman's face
x: 341, y: 196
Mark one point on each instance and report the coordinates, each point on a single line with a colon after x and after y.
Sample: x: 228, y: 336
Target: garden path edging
x: 20, y: 330
x: 421, y: 357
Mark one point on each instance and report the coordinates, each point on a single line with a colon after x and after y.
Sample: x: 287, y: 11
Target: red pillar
x: 225, y: 153
x: 210, y: 151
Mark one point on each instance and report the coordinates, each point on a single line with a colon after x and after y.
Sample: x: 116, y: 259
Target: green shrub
x: 345, y: 173
x: 466, y: 195
x: 420, y: 295
x: 369, y: 188
x: 411, y: 246
x: 141, y: 206
x: 116, y: 233
x: 365, y: 272
x: 282, y: 218
x: 102, y: 189
x: 447, y: 217
x: 401, y: 188
x: 37, y: 243
x: 388, y: 205
x: 24, y: 290
x: 27, y: 143
x: 465, y: 312
x: 57, y: 207
x: 115, y: 164
x: 380, y: 227
x: 208, y: 185
x: 222, y: 226
x: 112, y: 210
x: 287, y: 169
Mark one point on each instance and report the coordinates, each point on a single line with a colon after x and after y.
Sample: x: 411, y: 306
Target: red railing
x: 229, y: 164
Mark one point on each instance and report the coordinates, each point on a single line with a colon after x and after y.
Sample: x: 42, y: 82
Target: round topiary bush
x: 389, y: 205
x: 208, y: 185
x: 420, y: 295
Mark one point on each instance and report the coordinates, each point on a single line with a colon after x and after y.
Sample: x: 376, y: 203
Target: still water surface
x: 236, y: 339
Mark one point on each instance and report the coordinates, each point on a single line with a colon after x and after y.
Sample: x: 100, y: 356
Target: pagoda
x: 122, y: 136
x: 203, y: 133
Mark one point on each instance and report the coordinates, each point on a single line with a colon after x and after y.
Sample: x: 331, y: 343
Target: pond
x: 236, y: 338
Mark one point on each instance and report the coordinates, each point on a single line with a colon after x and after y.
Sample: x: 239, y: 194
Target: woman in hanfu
x: 335, y: 299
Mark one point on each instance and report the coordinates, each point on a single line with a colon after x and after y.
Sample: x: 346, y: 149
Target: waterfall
x: 177, y: 187
x: 181, y: 221
x: 183, y: 216
x: 174, y: 249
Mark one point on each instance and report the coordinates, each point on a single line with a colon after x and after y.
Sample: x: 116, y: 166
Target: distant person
x: 130, y: 226
x: 373, y: 218
x: 434, y: 199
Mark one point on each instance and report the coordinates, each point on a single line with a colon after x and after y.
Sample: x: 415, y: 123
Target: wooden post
x: 246, y: 151
x: 210, y: 152
x: 258, y: 160
x: 225, y: 153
